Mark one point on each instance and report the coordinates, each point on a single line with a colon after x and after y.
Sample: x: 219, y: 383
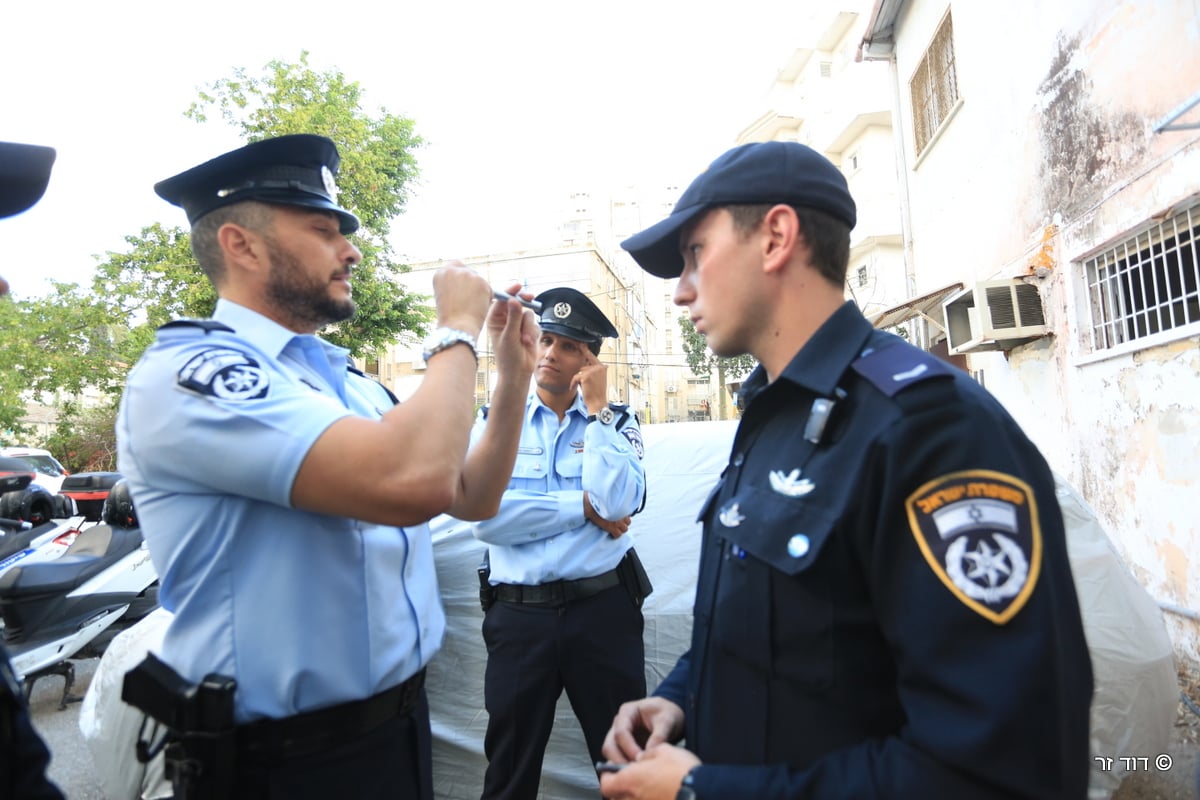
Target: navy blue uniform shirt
x: 884, y: 607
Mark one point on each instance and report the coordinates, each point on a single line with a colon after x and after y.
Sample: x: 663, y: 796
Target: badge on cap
x: 562, y: 310
x: 330, y: 185
x: 980, y: 532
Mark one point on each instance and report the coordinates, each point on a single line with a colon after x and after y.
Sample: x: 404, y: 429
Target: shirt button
x: 738, y: 459
x: 798, y: 546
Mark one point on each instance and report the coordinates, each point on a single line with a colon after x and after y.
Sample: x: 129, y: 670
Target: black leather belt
x: 325, y: 728
x: 556, y: 593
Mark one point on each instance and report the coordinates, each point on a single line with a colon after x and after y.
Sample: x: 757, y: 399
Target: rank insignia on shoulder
x: 224, y: 373
x: 895, y: 368
x: 206, y: 325
x: 979, y: 531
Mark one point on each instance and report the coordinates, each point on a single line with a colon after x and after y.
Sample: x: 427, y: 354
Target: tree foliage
x: 378, y: 166
x: 58, y: 345
x: 54, y: 348
x: 703, y: 362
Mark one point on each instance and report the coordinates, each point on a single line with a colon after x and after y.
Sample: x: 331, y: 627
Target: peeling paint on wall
x: 1083, y: 146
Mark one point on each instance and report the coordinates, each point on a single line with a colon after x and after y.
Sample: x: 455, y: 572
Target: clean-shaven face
x: 721, y: 283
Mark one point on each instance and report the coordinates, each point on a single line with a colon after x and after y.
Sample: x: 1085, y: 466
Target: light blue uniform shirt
x: 304, y: 610
x: 540, y: 534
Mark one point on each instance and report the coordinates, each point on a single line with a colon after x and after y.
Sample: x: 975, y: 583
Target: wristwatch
x: 441, y: 338
x: 606, y: 416
x: 686, y: 788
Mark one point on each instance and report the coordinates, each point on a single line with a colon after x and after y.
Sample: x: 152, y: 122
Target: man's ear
x: 781, y: 233
x: 243, y: 248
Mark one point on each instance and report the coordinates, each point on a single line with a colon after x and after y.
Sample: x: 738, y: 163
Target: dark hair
x: 594, y: 347
x: 827, y: 237
x: 250, y: 214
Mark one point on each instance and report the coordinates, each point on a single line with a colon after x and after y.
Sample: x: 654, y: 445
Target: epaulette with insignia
x: 893, y: 368
x: 206, y: 325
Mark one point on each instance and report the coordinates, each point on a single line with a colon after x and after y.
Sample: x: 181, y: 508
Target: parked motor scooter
x: 34, y: 525
x: 71, y: 607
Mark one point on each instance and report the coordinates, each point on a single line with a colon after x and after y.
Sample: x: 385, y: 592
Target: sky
x: 519, y: 102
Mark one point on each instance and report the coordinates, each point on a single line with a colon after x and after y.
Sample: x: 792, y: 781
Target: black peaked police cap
x: 750, y: 174
x: 568, y: 312
x: 296, y: 170
x: 24, y: 173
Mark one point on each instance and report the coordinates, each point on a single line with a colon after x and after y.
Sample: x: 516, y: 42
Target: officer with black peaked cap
x: 565, y: 583
x: 252, y: 419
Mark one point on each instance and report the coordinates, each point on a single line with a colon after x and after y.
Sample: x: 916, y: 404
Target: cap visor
x: 656, y: 249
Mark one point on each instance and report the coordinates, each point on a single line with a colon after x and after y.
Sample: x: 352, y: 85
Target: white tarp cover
x: 1132, y: 712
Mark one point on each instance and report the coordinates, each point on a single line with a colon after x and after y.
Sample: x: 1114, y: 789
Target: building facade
x: 1050, y: 176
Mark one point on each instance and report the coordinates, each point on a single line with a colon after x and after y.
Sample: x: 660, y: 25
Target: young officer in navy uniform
x: 884, y: 606
x: 566, y: 585
x: 24, y: 174
x: 284, y: 500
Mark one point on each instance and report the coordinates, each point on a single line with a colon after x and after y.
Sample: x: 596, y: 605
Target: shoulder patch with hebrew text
x: 979, y: 531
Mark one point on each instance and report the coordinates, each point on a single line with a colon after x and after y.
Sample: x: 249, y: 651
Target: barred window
x: 1146, y: 284
x: 934, y: 86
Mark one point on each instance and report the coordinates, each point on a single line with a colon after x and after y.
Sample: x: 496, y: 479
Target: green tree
x: 702, y: 361
x: 54, y: 347
x: 377, y: 169
x: 83, y: 440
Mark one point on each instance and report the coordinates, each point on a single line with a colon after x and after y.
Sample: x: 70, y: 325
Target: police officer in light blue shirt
x: 566, y: 585
x: 284, y: 498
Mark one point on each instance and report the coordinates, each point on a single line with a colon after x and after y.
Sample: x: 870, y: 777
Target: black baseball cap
x: 296, y: 170
x: 569, y: 312
x: 24, y: 173
x: 750, y: 174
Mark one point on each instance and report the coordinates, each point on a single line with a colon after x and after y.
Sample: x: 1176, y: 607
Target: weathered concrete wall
x: 1050, y: 157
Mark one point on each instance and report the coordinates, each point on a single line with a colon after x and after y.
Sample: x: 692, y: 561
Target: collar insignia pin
x: 791, y: 485
x: 731, y: 517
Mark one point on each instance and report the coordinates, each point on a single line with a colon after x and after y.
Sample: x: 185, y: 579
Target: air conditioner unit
x: 418, y: 364
x: 672, y: 387
x: 993, y: 315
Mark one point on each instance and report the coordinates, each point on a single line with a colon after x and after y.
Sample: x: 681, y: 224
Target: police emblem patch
x: 224, y: 373
x: 635, y: 438
x: 562, y: 310
x: 980, y: 533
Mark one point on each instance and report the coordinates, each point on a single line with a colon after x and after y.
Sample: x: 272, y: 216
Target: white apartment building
x: 1049, y: 172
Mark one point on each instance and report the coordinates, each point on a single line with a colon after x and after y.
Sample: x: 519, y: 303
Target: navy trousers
x: 393, y: 761
x: 591, y: 647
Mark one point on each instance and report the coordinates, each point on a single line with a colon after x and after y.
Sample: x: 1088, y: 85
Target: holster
x: 634, y: 578
x: 487, y: 592
x: 199, y: 746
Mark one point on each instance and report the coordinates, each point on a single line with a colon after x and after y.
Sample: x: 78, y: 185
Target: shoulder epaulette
x: 893, y: 368
x: 356, y: 371
x: 206, y: 325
